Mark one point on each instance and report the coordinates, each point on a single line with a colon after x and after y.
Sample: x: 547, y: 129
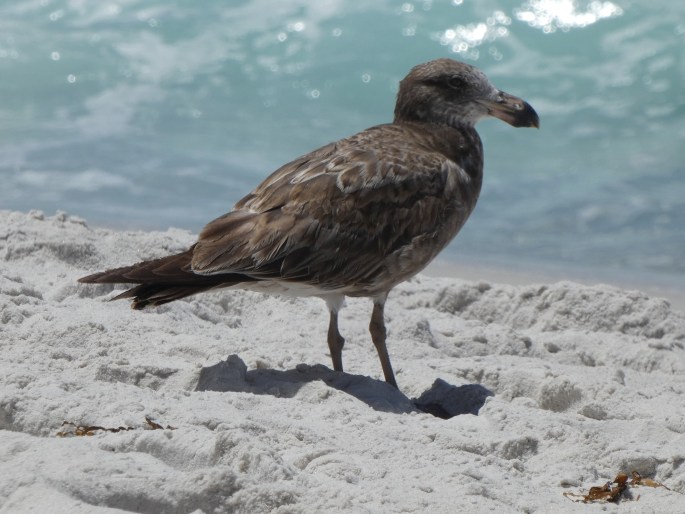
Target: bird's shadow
x: 442, y: 399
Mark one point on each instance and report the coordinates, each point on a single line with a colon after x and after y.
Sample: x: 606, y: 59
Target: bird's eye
x: 456, y: 82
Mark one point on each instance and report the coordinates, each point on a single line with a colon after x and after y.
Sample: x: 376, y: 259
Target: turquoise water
x: 149, y: 114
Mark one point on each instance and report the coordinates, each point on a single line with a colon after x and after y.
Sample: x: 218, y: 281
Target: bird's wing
x: 334, y: 216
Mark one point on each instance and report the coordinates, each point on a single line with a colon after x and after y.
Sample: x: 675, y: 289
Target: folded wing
x: 346, y: 216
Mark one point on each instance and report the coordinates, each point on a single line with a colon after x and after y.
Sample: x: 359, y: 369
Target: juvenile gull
x: 353, y: 218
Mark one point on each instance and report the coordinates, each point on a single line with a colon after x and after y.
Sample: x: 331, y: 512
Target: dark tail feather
x: 163, y: 280
x: 174, y: 268
x: 152, y: 295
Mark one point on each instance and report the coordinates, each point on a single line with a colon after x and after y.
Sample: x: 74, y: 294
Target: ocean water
x: 149, y: 114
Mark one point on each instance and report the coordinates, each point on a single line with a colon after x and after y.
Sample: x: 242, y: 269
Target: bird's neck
x: 459, y: 143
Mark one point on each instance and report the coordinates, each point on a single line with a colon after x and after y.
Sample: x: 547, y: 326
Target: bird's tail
x: 163, y: 280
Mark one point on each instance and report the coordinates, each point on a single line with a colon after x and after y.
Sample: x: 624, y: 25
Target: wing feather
x: 348, y: 214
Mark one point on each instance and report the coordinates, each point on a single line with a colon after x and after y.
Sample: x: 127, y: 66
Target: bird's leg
x: 378, y: 332
x: 335, y: 341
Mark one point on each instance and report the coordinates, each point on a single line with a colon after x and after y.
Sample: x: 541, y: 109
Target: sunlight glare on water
x: 550, y: 15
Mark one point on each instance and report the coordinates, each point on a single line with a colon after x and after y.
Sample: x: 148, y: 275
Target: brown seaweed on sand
x: 89, y: 430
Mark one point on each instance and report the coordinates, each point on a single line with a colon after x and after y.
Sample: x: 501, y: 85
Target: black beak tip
x: 527, y: 117
x: 533, y: 118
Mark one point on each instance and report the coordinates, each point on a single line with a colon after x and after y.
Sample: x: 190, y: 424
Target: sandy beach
x: 510, y: 395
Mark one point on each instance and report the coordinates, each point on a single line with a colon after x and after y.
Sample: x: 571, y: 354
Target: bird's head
x: 449, y: 92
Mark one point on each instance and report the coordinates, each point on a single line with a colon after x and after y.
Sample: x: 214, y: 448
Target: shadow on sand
x: 442, y: 399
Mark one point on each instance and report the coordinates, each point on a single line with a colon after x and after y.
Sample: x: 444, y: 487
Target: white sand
x: 584, y: 382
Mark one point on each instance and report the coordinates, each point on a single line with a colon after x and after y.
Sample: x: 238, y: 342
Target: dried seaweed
x: 89, y: 430
x: 157, y: 426
x: 614, y: 491
x: 639, y: 480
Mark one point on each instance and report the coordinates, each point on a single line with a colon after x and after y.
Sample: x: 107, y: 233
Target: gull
x: 355, y: 217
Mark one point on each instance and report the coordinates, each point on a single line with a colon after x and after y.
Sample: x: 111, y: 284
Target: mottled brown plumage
x: 353, y: 218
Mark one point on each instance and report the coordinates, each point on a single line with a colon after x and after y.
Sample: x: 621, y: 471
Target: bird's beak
x: 513, y: 110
